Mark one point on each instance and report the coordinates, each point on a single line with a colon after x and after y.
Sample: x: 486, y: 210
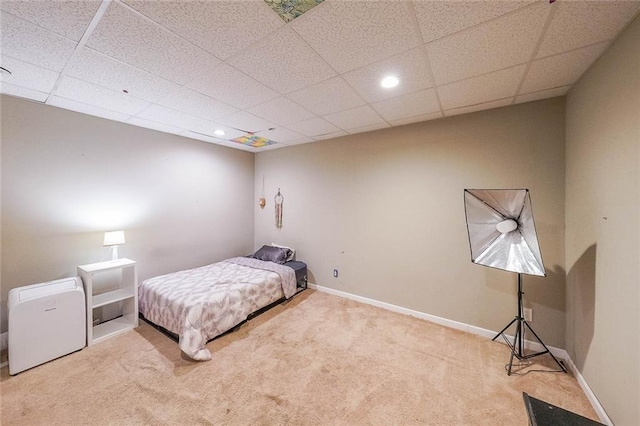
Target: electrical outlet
x: 335, y: 273
x: 528, y: 314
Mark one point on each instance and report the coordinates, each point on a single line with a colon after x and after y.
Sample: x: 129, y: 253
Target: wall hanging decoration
x: 262, y: 201
x: 279, y: 200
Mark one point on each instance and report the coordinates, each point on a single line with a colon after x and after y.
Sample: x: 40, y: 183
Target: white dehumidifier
x: 46, y: 321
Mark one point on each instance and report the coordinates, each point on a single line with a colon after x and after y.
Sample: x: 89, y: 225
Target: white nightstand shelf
x: 111, y: 297
x: 111, y: 328
x: 126, y: 294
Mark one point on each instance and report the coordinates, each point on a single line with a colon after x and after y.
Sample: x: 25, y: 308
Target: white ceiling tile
x: 410, y: 67
x: 91, y: 94
x: 417, y: 119
x: 220, y: 27
x: 22, y: 92
x: 353, y: 118
x: 154, y: 125
x: 544, y: 94
x: 210, y: 127
x: 167, y: 56
x: 302, y: 141
x: 280, y: 134
x: 331, y: 135
x: 247, y: 122
x: 171, y: 117
x: 314, y: 127
x: 485, y: 88
x: 497, y: 44
x: 86, y: 109
x: 562, y: 69
x: 125, y: 35
x: 283, y: 62
x: 195, y: 103
x: 216, y: 141
x: 193, y: 135
x: 236, y: 145
x: 328, y: 96
x: 231, y: 86
x: 281, y: 111
x: 69, y: 19
x: 30, y: 43
x: 479, y: 107
x: 249, y: 148
x: 440, y: 18
x: 369, y: 128
x: 27, y: 75
x: 345, y: 35
x: 411, y: 105
x: 581, y: 23
x: 277, y: 145
x: 97, y: 68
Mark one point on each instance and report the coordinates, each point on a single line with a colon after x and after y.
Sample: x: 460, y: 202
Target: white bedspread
x: 202, y: 303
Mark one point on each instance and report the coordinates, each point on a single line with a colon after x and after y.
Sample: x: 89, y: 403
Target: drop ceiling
x: 195, y: 67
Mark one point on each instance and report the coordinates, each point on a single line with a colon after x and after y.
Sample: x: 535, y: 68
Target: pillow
x: 272, y: 254
x: 292, y: 256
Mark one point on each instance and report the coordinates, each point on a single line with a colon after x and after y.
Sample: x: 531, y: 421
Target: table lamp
x: 113, y: 239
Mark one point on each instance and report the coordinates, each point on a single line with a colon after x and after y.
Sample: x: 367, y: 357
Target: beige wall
x: 68, y: 177
x: 386, y: 209
x: 603, y: 232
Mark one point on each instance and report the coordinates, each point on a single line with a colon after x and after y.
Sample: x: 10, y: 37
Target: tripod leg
x: 505, y: 329
x: 513, y: 352
x: 545, y: 347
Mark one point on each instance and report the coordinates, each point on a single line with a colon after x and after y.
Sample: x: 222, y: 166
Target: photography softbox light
x: 502, y: 235
x: 501, y: 230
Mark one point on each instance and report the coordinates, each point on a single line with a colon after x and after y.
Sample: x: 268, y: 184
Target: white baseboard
x: 599, y: 409
x: 557, y: 352
x: 560, y: 353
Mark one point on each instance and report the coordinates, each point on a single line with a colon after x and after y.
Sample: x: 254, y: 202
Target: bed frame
x: 302, y: 280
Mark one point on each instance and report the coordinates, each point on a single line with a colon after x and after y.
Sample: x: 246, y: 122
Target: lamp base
x: 517, y: 347
x: 114, y: 252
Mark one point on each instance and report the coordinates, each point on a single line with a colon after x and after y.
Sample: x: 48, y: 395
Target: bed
x: 202, y: 303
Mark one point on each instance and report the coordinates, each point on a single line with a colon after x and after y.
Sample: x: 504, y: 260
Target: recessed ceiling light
x: 219, y: 132
x: 389, y: 82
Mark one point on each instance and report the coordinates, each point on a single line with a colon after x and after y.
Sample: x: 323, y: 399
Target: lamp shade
x: 113, y: 238
x: 501, y: 230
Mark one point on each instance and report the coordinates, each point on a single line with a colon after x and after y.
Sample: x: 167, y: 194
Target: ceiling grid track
x: 92, y: 26
x: 194, y: 68
x: 162, y: 28
x: 338, y: 75
x: 416, y: 25
x: 552, y: 12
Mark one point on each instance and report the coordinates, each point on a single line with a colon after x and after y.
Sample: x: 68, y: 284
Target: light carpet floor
x: 317, y: 359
